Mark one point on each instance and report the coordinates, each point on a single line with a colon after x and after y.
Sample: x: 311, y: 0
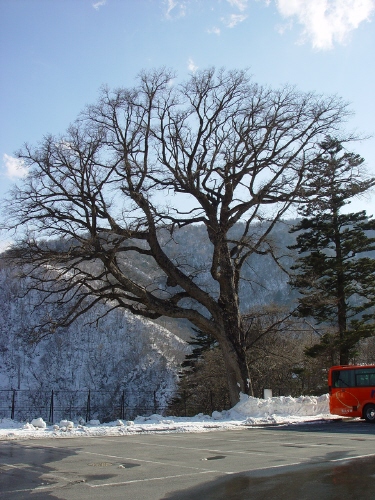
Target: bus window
x: 365, y: 377
x: 361, y: 380
x: 342, y: 378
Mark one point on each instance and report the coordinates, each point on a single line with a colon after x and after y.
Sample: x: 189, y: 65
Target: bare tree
x: 144, y: 162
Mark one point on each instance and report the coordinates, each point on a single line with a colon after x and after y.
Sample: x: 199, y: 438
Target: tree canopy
x: 145, y: 161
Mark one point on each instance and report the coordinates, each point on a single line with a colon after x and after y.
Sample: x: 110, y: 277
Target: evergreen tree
x: 337, y: 286
x: 202, y: 386
x: 201, y: 342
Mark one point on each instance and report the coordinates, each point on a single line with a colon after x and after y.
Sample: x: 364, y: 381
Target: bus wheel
x: 369, y: 413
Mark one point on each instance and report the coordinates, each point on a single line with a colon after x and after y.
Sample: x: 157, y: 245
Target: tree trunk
x: 237, y: 370
x: 341, y: 301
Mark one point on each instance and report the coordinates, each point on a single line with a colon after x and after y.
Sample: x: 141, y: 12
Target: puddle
x: 98, y: 477
x: 126, y: 465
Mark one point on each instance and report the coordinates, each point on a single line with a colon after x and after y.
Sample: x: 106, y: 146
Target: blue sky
x: 55, y: 54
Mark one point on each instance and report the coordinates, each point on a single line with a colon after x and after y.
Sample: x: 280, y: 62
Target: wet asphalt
x: 331, y: 460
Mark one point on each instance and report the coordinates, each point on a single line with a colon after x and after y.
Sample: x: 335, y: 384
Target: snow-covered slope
x: 119, y: 352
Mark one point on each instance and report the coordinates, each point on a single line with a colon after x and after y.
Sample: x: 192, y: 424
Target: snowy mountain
x: 120, y: 353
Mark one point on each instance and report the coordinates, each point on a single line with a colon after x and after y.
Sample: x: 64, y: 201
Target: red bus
x: 352, y: 391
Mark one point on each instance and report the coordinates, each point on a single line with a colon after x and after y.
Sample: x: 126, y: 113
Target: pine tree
x: 201, y: 342
x: 337, y: 286
x: 202, y: 385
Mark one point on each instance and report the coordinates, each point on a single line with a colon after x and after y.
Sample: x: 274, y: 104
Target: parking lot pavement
x: 325, y: 461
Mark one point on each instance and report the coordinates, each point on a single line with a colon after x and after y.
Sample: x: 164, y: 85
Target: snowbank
x: 304, y: 406
x: 248, y: 412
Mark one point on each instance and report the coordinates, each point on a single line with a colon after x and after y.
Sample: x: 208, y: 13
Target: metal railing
x: 106, y: 406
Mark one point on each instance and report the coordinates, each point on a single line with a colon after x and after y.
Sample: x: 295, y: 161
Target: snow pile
x: 283, y: 406
x: 39, y: 423
x: 248, y: 412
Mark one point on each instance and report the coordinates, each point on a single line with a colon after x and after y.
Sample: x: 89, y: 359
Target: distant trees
x: 144, y: 161
x: 336, y: 284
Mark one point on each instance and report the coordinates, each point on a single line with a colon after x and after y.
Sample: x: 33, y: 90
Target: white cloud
x: 4, y: 245
x: 14, y: 168
x: 233, y: 20
x: 214, y: 31
x: 99, y: 4
x: 192, y: 66
x: 283, y: 28
x: 175, y: 9
x: 326, y: 22
x: 240, y: 4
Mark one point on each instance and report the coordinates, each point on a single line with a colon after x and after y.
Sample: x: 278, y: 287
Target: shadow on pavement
x: 331, y: 426
x: 23, y: 468
x: 324, y: 481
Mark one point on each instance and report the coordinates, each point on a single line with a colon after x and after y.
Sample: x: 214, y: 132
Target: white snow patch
x: 94, y: 422
x: 67, y: 423
x: 248, y: 412
x: 39, y: 423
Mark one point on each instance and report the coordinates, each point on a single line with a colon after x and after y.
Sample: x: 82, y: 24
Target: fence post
x: 51, y: 416
x: 13, y: 404
x: 123, y: 405
x: 211, y: 402
x: 88, y: 409
x: 184, y: 393
x: 155, y: 405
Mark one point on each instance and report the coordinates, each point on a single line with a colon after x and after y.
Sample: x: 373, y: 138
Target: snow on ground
x: 247, y: 413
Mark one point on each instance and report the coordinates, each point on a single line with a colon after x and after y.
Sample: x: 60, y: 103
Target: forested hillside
x: 120, y: 349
